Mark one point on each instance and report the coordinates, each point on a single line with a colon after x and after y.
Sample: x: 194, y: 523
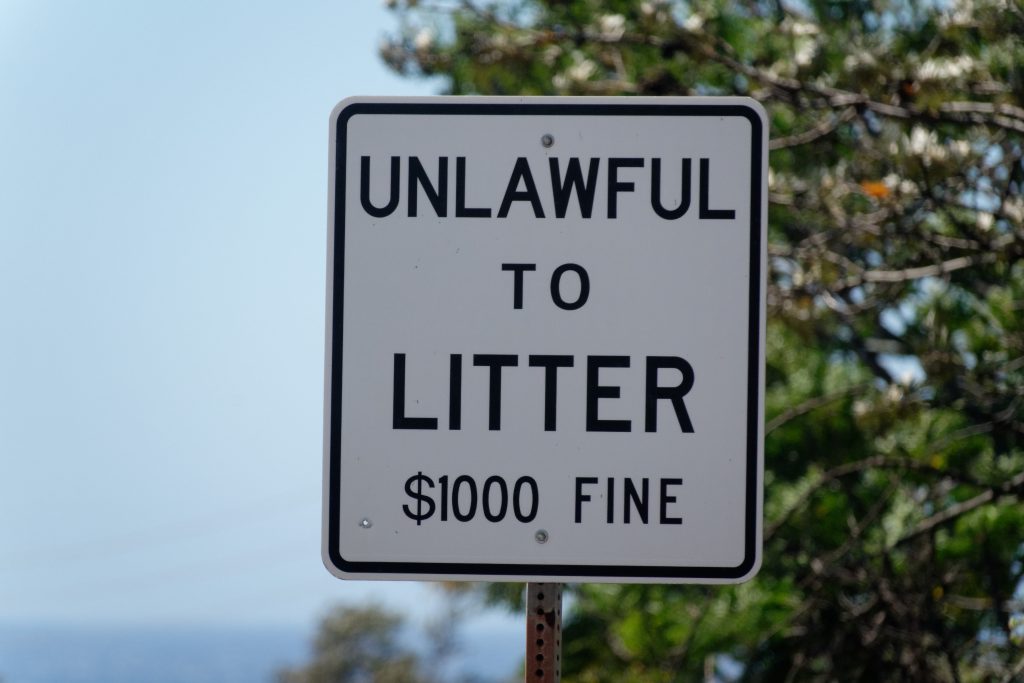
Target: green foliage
x: 358, y: 645
x: 895, y: 378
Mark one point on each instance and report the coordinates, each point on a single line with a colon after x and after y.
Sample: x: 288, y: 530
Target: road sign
x: 545, y: 339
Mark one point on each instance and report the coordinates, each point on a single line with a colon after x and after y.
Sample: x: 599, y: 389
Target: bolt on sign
x: 545, y: 339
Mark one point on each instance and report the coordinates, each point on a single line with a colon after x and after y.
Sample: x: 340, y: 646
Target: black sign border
x: 496, y: 570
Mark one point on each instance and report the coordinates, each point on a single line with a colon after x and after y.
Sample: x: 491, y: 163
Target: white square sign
x: 545, y: 339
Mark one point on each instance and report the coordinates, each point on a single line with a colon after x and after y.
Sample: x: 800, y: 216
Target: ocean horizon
x: 158, y: 653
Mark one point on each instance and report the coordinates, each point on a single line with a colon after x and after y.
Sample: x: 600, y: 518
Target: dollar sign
x: 417, y: 481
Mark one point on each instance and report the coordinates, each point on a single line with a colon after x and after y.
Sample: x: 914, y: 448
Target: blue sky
x: 163, y: 178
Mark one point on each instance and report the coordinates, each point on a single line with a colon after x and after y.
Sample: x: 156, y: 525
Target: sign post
x: 545, y: 339
x: 543, y: 632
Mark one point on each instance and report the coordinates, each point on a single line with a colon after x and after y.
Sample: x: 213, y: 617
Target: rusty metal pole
x: 543, y: 632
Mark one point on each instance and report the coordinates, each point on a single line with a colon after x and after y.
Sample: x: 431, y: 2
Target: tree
x: 369, y: 644
x: 895, y: 379
x: 358, y: 645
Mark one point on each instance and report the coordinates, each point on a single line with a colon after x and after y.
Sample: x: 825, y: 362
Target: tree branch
x: 826, y: 127
x: 1013, y: 487
x: 807, y: 406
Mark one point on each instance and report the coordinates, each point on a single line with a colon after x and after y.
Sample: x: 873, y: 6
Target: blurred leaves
x: 370, y: 644
x: 358, y: 645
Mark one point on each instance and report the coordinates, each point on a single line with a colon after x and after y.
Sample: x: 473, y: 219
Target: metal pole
x: 543, y: 632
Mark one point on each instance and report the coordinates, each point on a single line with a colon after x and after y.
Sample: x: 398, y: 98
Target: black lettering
x: 674, y: 394
x: 364, y: 188
x: 485, y: 498
x: 556, y: 286
x: 399, y: 420
x: 456, y: 507
x: 633, y: 499
x: 684, y: 201
x: 418, y: 176
x: 495, y: 362
x: 610, y: 514
x: 562, y: 188
x: 455, y: 392
x: 461, y: 211
x: 517, y: 508
x: 614, y: 186
x: 521, y: 171
x: 666, y: 499
x: 550, y: 365
x: 582, y: 497
x: 596, y: 391
x: 517, y: 280
x: 705, y: 181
